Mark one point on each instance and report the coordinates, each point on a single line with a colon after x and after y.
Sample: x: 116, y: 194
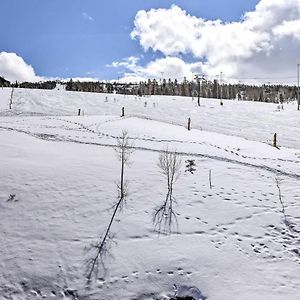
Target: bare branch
x: 98, y: 253
x: 123, y: 149
x: 164, y: 216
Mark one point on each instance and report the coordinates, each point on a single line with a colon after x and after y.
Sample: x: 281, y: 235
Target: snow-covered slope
x: 231, y: 241
x: 251, y: 120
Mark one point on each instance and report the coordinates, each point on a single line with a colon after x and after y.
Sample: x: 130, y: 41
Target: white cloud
x: 128, y: 78
x: 288, y: 28
x: 264, y: 42
x: 13, y: 67
x: 167, y: 67
x: 81, y: 79
x: 88, y: 17
x: 129, y: 63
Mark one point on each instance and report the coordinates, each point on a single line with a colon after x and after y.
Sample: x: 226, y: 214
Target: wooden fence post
x: 275, y: 140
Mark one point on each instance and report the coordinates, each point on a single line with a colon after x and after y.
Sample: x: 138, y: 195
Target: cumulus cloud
x: 81, y: 79
x: 131, y: 78
x: 288, y: 28
x: 129, y: 63
x: 13, y: 67
x: 264, y: 41
x: 167, y: 67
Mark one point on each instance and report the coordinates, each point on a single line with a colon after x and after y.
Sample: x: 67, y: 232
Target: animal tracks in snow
x: 155, y: 274
x: 66, y: 129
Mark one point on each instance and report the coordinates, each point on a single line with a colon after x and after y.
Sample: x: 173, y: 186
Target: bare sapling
x: 102, y: 248
x: 164, y: 215
x: 123, y: 150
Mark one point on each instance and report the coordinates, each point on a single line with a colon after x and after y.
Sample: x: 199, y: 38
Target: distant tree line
x: 206, y: 89
x: 92, y: 87
x: 213, y: 89
x: 44, y: 85
x: 4, y: 82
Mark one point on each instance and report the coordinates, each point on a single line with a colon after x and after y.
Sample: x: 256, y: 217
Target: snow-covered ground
x: 250, y: 120
x: 231, y: 241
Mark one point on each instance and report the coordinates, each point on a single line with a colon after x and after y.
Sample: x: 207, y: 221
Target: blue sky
x: 79, y: 38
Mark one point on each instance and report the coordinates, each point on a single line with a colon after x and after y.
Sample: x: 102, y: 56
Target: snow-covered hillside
x: 232, y: 241
x: 250, y: 120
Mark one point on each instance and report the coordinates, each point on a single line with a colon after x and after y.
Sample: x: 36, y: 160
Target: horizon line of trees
x: 43, y: 85
x: 204, y: 88
x: 193, y: 88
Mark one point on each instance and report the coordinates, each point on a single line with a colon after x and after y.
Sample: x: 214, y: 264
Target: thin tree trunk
x: 104, y: 239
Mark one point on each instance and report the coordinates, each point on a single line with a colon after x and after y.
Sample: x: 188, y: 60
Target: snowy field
x: 231, y: 241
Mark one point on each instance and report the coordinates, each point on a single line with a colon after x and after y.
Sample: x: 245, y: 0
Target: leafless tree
x: 101, y: 249
x: 164, y: 215
x: 123, y: 150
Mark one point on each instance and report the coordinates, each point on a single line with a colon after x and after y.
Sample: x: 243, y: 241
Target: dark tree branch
x: 164, y: 216
x: 123, y: 149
